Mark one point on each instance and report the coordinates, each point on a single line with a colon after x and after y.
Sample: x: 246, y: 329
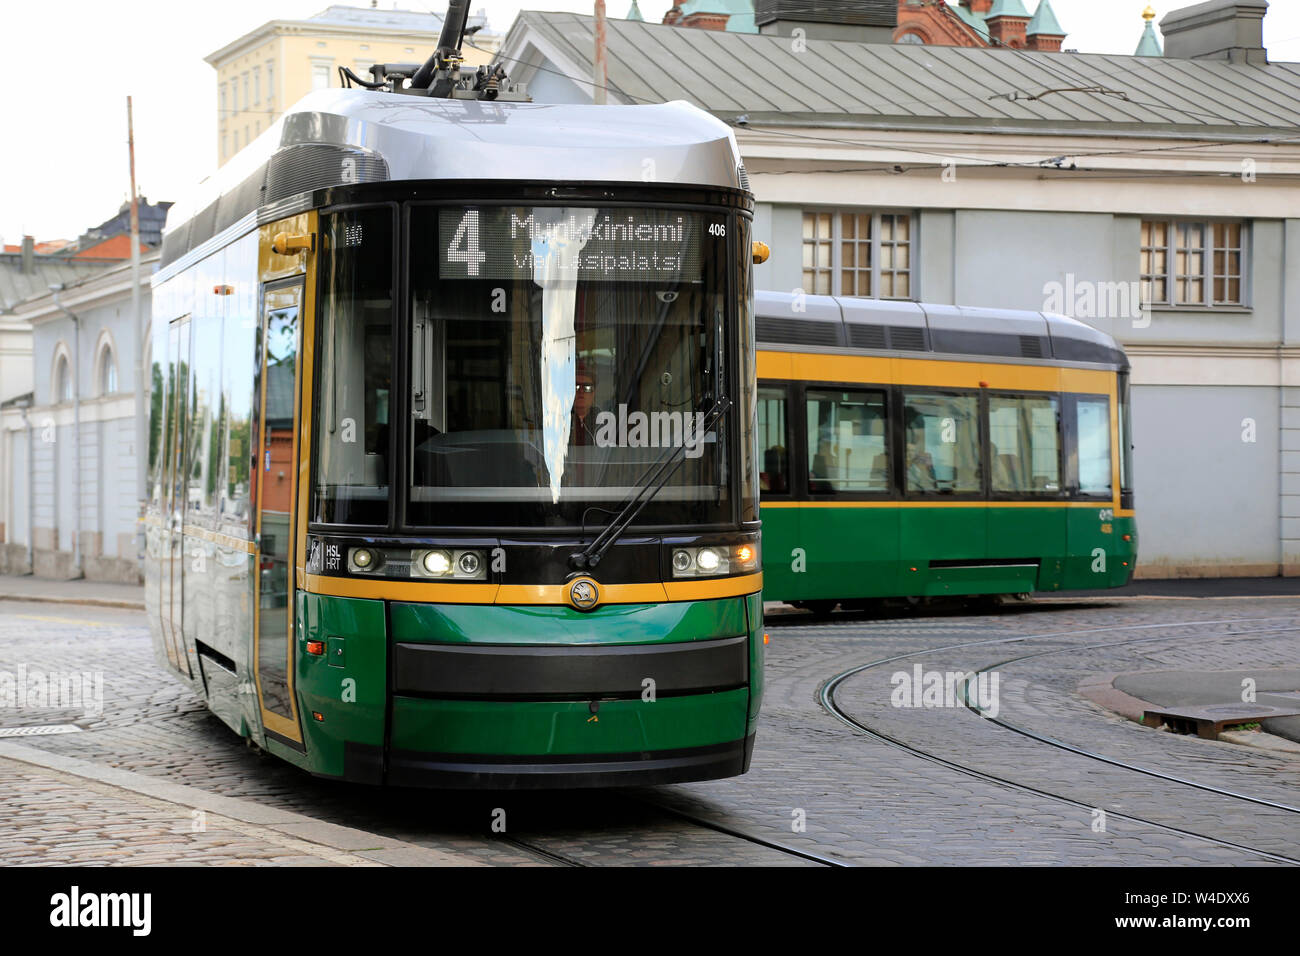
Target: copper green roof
x: 635, y: 13
x: 973, y: 20
x: 740, y: 13
x: 1149, y: 45
x: 1044, y: 21
x: 1008, y: 8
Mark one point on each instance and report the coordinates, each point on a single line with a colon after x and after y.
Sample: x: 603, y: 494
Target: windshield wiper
x: 658, y: 474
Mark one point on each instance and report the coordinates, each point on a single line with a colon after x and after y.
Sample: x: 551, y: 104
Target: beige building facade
x: 265, y: 71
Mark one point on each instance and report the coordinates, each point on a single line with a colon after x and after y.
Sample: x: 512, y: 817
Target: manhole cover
x: 1235, y: 710
x: 39, y: 730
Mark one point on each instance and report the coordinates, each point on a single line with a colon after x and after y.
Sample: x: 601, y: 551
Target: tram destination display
x: 579, y: 244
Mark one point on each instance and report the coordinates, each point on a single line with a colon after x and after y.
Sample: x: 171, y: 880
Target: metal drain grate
x: 1206, y: 721
x: 39, y: 730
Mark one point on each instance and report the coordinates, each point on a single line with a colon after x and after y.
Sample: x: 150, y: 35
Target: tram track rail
x: 532, y: 847
x: 827, y: 699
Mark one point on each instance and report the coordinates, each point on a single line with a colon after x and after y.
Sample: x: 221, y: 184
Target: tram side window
x: 773, y: 447
x: 942, y: 443
x: 1125, y: 435
x: 846, y: 442
x: 356, y: 363
x: 1024, y: 444
x: 1092, y: 428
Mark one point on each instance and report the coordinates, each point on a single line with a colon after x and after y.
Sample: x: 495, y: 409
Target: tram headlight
x: 362, y: 559
x: 715, y: 560
x: 444, y: 563
x: 436, y: 563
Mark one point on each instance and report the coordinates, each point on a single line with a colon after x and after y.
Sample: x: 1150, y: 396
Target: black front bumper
x: 411, y: 768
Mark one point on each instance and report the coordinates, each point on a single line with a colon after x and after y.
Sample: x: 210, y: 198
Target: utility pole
x: 601, y: 70
x: 141, y: 435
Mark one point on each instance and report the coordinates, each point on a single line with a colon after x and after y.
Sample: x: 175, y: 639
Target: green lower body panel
x: 846, y: 553
x: 496, y: 696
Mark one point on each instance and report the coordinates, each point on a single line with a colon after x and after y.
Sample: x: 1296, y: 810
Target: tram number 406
x: 717, y: 229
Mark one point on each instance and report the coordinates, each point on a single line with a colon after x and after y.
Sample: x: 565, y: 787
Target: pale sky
x: 69, y: 65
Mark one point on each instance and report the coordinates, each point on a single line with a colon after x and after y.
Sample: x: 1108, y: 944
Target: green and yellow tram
x: 452, y: 444
x: 913, y: 450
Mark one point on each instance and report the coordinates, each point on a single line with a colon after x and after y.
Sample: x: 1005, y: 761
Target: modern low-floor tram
x: 451, y: 445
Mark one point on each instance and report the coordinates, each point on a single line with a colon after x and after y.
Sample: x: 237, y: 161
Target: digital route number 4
x: 467, y: 233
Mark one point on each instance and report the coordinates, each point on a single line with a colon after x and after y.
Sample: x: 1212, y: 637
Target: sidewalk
x: 61, y: 811
x: 24, y: 587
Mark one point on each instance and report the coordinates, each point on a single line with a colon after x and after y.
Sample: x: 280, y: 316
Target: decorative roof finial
x: 1149, y: 13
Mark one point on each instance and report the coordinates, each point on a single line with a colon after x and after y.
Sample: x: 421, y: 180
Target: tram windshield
x: 558, y: 353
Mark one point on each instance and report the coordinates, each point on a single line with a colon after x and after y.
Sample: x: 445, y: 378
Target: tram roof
x: 334, y: 137
x: 819, y: 323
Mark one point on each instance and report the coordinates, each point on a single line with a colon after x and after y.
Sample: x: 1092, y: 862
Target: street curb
x: 88, y: 602
x: 295, y: 826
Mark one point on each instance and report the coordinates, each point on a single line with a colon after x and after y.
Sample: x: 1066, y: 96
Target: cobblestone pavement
x: 55, y: 819
x: 815, y: 784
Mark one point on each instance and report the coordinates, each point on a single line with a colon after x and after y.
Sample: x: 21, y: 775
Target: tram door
x: 175, y: 494
x: 276, y: 471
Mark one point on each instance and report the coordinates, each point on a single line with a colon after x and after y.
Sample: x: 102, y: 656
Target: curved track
x: 828, y: 701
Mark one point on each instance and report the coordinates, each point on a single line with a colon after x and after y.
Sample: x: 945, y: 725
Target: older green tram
x: 453, y: 480
x: 912, y: 450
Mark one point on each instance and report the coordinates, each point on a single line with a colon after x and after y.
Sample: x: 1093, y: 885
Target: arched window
x: 107, y: 371
x: 911, y: 38
x: 62, y: 381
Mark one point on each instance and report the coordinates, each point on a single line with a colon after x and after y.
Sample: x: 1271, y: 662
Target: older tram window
x: 1092, y: 424
x: 355, y: 357
x: 942, y: 443
x: 773, y: 447
x: 846, y: 442
x: 1125, y: 434
x: 1024, y: 444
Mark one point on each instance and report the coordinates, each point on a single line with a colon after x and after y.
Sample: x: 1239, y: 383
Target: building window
x: 224, y: 152
x: 236, y: 141
x: 1193, y: 263
x: 257, y: 84
x: 223, y: 101
x: 62, y: 381
x: 320, y: 76
x: 246, y: 99
x: 107, y: 371
x: 857, y: 253
x: 270, y: 83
